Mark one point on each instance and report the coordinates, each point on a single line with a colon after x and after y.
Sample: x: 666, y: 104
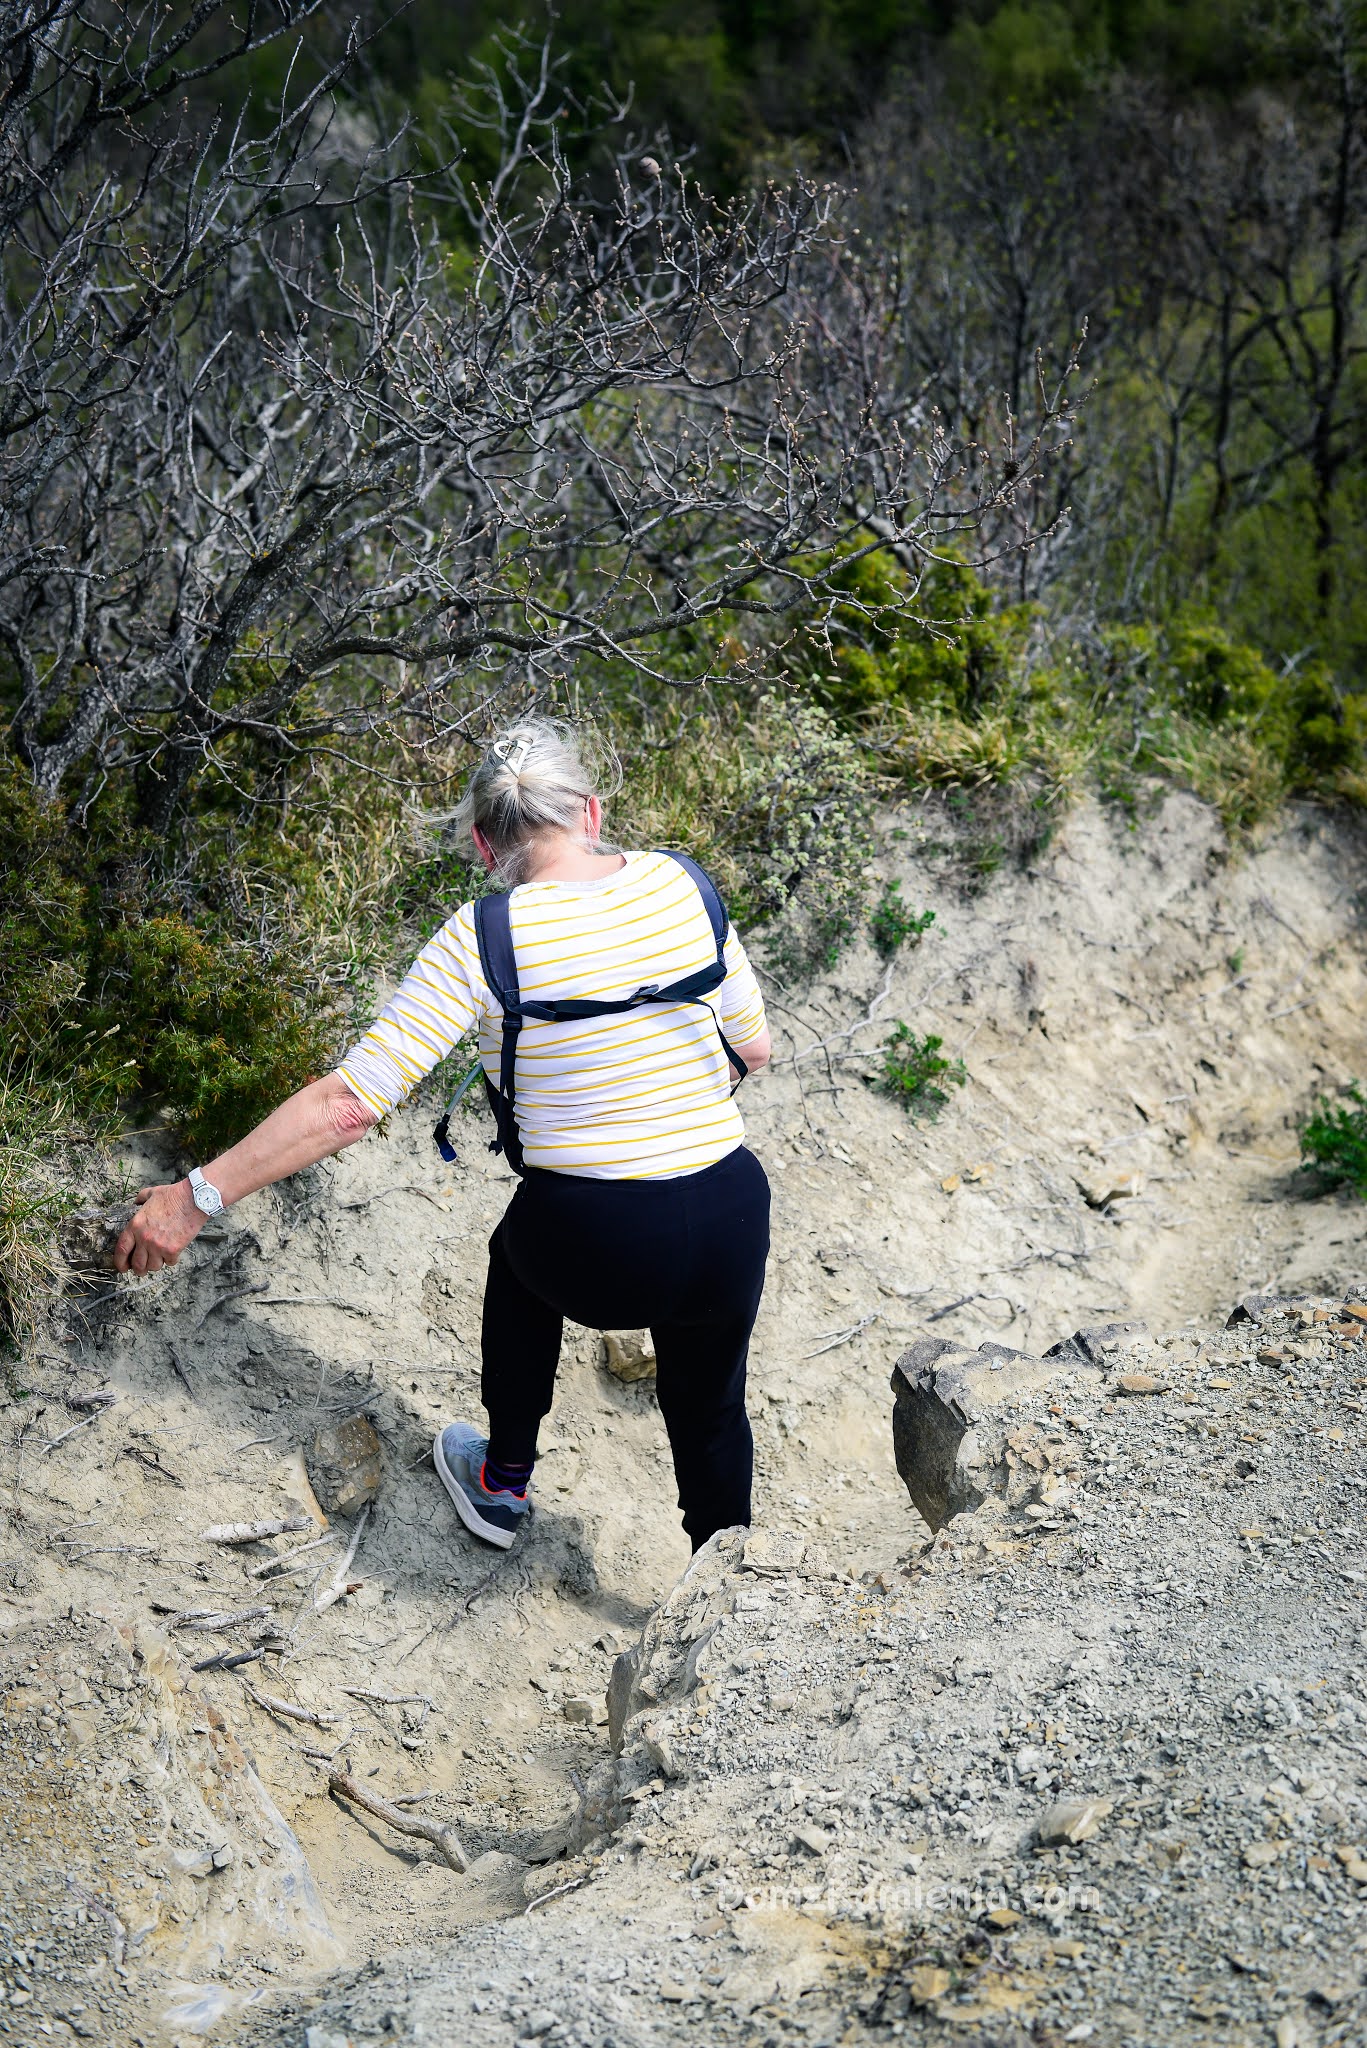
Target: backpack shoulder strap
x: 707, y: 889
x: 721, y: 925
x: 498, y: 963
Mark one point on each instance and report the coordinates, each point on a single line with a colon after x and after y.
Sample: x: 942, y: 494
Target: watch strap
x: 207, y: 1198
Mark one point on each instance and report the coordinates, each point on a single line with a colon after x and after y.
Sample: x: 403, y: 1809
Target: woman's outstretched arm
x: 311, y: 1125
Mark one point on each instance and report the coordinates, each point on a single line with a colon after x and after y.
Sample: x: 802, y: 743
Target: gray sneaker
x: 458, y: 1454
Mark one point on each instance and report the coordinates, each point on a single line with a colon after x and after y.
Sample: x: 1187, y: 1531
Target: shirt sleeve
x: 740, y: 1006
x: 442, y: 996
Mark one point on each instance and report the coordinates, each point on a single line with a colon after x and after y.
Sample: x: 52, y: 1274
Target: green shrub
x: 956, y: 653
x: 916, y: 1071
x: 109, y: 991
x: 1334, y: 1140
x: 893, y: 924
x: 774, y: 799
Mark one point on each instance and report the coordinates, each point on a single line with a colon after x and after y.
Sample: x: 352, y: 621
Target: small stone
x: 773, y: 1550
x: 675, y: 1994
x: 1354, y: 1864
x: 1289, y: 2033
x: 1140, y: 1383
x: 1274, y: 1354
x: 1100, y: 1192
x: 628, y: 1355
x: 345, y: 1465
x: 813, y: 1838
x: 950, y: 1183
x: 538, y: 2023
x: 1219, y: 1386
x: 580, y: 1710
x: 926, y: 1983
x: 1002, y: 1917
x: 1258, y: 1855
x: 1073, y: 1820
x: 1355, y: 1310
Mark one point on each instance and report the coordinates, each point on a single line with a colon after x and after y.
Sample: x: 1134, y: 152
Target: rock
x: 1002, y: 1918
x: 926, y: 1983
x: 773, y: 1550
x: 1099, y: 1345
x: 1073, y: 1820
x: 815, y: 1839
x: 499, y: 1874
x: 947, y: 1438
x: 1100, y: 1191
x: 345, y: 1465
x: 628, y: 1355
x: 1354, y: 1864
x: 1141, y: 1383
x: 88, y: 1237
x: 580, y: 1710
x: 1258, y: 1855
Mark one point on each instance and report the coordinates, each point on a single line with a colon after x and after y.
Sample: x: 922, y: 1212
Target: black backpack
x: 499, y: 963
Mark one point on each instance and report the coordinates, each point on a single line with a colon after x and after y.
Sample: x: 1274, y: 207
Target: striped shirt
x: 644, y: 1095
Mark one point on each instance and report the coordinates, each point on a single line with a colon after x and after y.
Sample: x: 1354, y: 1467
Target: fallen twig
x: 287, y: 1709
x: 272, y: 1567
x: 233, y: 1294
x: 444, y: 1840
x: 840, y: 1337
x: 228, y: 1660
x: 409, y: 1188
x: 558, y: 1892
x: 392, y: 1699
x: 255, y: 1532
x: 182, y: 1368
x: 206, y: 1618
x: 337, y: 1586
x: 84, y: 1401
x: 152, y: 1461
x: 356, y: 1308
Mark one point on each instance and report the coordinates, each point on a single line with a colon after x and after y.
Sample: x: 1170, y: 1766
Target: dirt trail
x: 1142, y: 1017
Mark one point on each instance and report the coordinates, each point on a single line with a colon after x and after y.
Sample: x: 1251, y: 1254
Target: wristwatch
x: 207, y: 1199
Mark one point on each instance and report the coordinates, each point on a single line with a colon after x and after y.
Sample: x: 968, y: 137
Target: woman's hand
x: 166, y: 1221
x: 313, y: 1124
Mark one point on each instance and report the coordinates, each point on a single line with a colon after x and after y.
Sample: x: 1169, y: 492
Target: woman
x: 639, y: 1203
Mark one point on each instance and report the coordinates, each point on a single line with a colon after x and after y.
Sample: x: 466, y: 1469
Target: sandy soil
x: 1143, y: 1019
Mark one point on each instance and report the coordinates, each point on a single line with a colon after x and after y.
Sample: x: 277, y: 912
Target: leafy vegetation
x: 1334, y: 1140
x: 893, y: 923
x: 916, y: 1071
x: 202, y: 893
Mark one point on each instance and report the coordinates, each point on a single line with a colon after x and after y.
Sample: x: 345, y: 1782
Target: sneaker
x: 458, y: 1454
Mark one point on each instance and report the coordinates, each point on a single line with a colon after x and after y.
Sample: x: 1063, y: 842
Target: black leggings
x: 683, y: 1258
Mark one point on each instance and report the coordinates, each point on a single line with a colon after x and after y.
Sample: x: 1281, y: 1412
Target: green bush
x: 109, y: 991
x: 774, y: 799
x: 1334, y: 1140
x: 916, y: 1071
x: 893, y: 924
x: 956, y: 654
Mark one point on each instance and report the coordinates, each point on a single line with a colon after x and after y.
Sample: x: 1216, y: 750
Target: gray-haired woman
x: 613, y: 1006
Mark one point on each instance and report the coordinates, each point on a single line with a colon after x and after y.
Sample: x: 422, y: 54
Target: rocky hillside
x: 1088, y: 1758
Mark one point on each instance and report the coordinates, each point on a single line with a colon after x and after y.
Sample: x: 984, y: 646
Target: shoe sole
x: 502, y: 1539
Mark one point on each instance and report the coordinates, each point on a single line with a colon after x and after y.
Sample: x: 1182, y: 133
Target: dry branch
x: 337, y: 1587
x: 443, y: 1839
x: 255, y: 1532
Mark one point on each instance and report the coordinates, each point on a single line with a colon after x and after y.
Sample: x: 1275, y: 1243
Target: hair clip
x: 500, y: 749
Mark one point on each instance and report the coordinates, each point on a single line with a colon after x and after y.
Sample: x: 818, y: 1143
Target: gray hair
x: 534, y: 779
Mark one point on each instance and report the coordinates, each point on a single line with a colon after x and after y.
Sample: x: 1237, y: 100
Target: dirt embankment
x: 1142, y: 1019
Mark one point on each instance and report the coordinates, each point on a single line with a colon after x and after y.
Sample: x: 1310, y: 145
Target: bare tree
x: 366, y: 459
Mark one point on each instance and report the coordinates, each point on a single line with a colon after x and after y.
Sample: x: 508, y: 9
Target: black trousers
x: 682, y: 1258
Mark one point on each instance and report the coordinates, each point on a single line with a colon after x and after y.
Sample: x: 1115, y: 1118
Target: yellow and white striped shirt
x: 644, y: 1095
